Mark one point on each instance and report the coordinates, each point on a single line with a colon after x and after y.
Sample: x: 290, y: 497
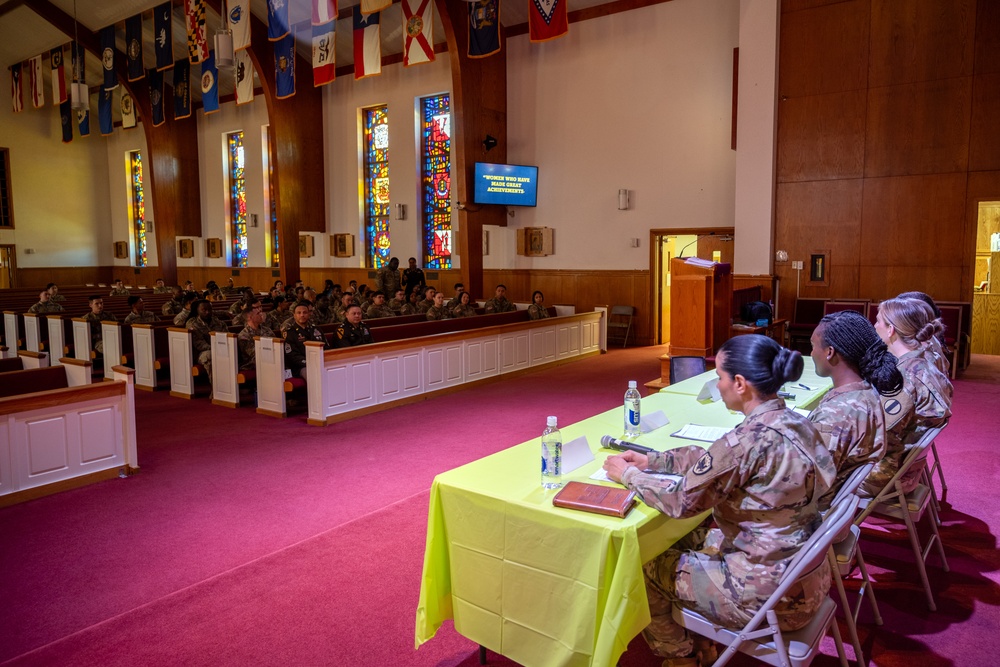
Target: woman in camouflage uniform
x: 464, y: 307
x: 537, y: 309
x: 762, y: 480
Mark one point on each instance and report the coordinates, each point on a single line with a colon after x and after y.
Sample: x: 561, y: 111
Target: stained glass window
x: 272, y: 198
x: 138, y: 207
x: 376, y: 176
x: 238, y: 199
x: 435, y: 168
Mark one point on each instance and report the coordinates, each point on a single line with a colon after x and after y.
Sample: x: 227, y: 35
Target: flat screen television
x: 506, y: 184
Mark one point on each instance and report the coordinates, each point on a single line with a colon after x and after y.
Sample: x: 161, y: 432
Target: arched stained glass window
x: 273, y: 201
x: 138, y: 207
x: 435, y: 170
x: 238, y: 199
x: 376, y: 177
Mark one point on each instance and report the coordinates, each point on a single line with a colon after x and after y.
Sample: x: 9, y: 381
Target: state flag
x: 128, y: 111
x: 284, y: 67
x: 156, y: 96
x: 373, y: 6
x: 58, y: 75
x: 133, y: 47
x: 484, y: 28
x: 418, y: 32
x: 277, y: 20
x: 209, y: 85
x: 324, y: 11
x: 547, y: 19
x: 35, y: 81
x: 163, y: 36
x: 324, y: 54
x: 83, y: 120
x: 239, y: 23
x: 17, y: 101
x: 108, y: 57
x: 182, y: 88
x: 66, y: 120
x: 367, y: 45
x: 104, y: 112
x: 197, y: 38
x: 244, y: 78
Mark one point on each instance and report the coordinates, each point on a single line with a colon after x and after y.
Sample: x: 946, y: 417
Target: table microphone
x: 623, y: 445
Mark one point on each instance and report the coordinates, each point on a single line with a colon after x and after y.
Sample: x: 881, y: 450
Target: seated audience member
x: 118, y: 289
x: 335, y: 293
x: 187, y: 301
x: 413, y: 276
x: 454, y: 301
x: 850, y: 420
x: 399, y: 300
x: 352, y: 331
x: 310, y: 320
x: 499, y: 303
x: 340, y: 311
x: 213, y: 293
x: 322, y: 313
x: 278, y: 315
x: 173, y: 306
x: 45, y: 304
x: 309, y: 294
x: 139, y: 313
x: 95, y: 317
x: 925, y: 402
x: 934, y: 349
x: 379, y: 308
x: 537, y: 309
x: 762, y: 480
x: 387, y: 279
x: 188, y: 286
x: 161, y: 287
x: 296, y: 335
x: 364, y: 298
x: 353, y: 284
x: 328, y: 287
x: 411, y: 307
x: 438, y: 311
x: 54, y: 294
x: 428, y: 300
x: 238, y: 306
x: 464, y: 307
x: 245, y: 339
x: 230, y: 287
x: 201, y: 326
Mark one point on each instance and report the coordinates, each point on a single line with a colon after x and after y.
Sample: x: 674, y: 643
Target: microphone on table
x: 623, y: 445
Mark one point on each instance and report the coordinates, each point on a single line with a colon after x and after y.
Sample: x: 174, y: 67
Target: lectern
x: 700, y: 307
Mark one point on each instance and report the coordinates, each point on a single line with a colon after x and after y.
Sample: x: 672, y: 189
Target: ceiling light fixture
x: 224, y: 58
x: 79, y: 94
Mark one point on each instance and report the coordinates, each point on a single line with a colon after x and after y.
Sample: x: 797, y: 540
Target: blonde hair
x: 912, y: 319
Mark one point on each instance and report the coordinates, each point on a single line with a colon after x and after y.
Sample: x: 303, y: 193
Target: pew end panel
x: 78, y: 372
x: 603, y: 342
x: 33, y: 359
x: 112, y: 335
x: 225, y: 368
x: 36, y: 333
x: 82, y: 344
x: 11, y: 333
x: 58, y: 327
x: 270, y: 376
x: 181, y: 362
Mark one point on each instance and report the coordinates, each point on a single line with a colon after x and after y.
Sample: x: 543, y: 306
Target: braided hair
x: 765, y: 364
x: 912, y: 319
x: 856, y: 341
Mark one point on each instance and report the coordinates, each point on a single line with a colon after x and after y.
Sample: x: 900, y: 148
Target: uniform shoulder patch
x: 703, y: 465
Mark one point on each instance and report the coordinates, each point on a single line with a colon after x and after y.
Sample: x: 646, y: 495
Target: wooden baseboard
x: 272, y: 413
x: 177, y: 394
x: 64, y: 485
x: 225, y: 404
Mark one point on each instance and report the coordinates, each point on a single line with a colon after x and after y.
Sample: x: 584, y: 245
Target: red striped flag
x: 367, y: 45
x: 35, y: 79
x: 324, y: 53
x: 418, y: 32
x: 58, y: 75
x: 324, y: 11
x: 17, y: 98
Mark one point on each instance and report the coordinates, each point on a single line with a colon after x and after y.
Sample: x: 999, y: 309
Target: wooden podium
x: 700, y: 308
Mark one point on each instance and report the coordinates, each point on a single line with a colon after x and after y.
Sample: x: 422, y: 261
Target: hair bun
x: 933, y: 328
x: 787, y: 365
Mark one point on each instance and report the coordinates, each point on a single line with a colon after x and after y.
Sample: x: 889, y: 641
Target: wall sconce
x: 781, y: 256
x: 489, y: 143
x: 400, y: 212
x: 623, y: 200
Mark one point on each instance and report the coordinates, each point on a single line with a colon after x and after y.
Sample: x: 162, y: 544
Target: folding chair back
x: 852, y: 483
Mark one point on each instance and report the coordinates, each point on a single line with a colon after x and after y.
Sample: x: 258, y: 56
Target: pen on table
x: 802, y: 386
x: 785, y: 394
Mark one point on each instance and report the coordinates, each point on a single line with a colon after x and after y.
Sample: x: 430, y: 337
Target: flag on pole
x: 83, y: 119
x: 209, y: 85
x: 547, y: 19
x: 15, y: 88
x: 244, y: 78
x: 284, y: 67
x: 58, y: 75
x: 239, y: 23
x: 163, y: 36
x: 373, y: 6
x: 108, y: 57
x: 484, y: 28
x: 418, y: 32
x: 66, y: 119
x: 367, y: 45
x: 182, y: 89
x: 277, y: 19
x: 156, y: 96
x: 104, y: 112
x: 35, y: 79
x: 128, y: 111
x: 324, y: 54
x: 133, y: 47
x: 324, y: 11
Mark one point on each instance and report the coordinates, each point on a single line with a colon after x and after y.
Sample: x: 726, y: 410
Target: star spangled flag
x: 128, y: 111
x: 66, y: 120
x: 418, y: 32
x: 239, y: 23
x: 367, y: 45
x: 108, y: 57
x: 244, y: 78
x: 547, y: 19
x: 182, y: 89
x: 209, y: 85
x: 284, y: 67
x: 324, y: 54
x: 83, y: 120
x: 104, y: 112
x: 277, y: 19
x: 15, y: 88
x: 163, y: 36
x: 197, y: 39
x: 484, y: 28
x: 156, y: 96
x: 133, y: 47
x: 58, y: 75
x: 372, y: 6
x: 35, y: 80
x: 324, y: 11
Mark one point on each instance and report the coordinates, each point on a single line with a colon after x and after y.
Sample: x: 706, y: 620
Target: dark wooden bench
x: 15, y: 383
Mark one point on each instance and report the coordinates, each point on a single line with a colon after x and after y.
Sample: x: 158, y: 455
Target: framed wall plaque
x: 121, y: 249
x: 342, y: 245
x: 213, y: 248
x: 307, y: 247
x: 185, y: 248
x: 819, y: 268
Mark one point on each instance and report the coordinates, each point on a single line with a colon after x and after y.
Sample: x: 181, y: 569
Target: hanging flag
x: 104, y: 112
x: 484, y: 28
x: 324, y: 11
x: 244, y: 78
x: 35, y: 80
x: 163, y: 36
x: 239, y: 23
x: 182, y: 89
x: 197, y: 39
x: 367, y: 45
x: 58, y: 75
x: 133, y: 47
x: 128, y: 111
x: 324, y: 54
x: 66, y: 120
x: 373, y: 6
x: 284, y: 67
x: 418, y: 32
x: 156, y: 96
x: 15, y: 88
x: 83, y: 119
x: 547, y: 19
x: 277, y: 19
x: 108, y: 57
x: 209, y: 85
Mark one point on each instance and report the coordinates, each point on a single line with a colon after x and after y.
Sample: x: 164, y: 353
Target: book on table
x: 608, y: 500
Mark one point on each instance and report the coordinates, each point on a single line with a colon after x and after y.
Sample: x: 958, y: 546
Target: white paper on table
x: 653, y: 421
x: 602, y: 476
x: 710, y: 390
x: 576, y: 453
x: 702, y: 433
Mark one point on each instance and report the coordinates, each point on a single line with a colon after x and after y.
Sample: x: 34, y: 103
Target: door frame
x: 13, y: 262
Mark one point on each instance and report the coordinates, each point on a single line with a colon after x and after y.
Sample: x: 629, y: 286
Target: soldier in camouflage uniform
x: 173, y: 306
x: 455, y: 300
x: 933, y: 349
x: 54, y: 294
x: 118, y: 289
x: 387, y: 279
x: 240, y: 304
x: 396, y: 304
x: 45, y: 304
x: 352, y: 331
x: 464, y: 307
x: 201, y: 327
x: 763, y: 480
x: 537, y: 309
x: 161, y: 287
x: 379, y: 308
x: 322, y: 313
x: 139, y: 313
x: 95, y: 317
x: 410, y: 307
x: 184, y: 314
x: 296, y: 335
x: 438, y: 310
x: 425, y: 304
x: 278, y: 315
x: 340, y: 310
x: 245, y: 338
x: 499, y: 303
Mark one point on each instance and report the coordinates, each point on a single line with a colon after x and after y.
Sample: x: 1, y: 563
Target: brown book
x: 609, y: 500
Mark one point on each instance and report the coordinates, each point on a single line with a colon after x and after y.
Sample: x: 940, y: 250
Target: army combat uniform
x: 763, y: 480
x: 375, y: 312
x: 171, y: 307
x: 387, y: 280
x: 163, y: 289
x: 496, y: 305
x: 96, y: 333
x: 295, y: 345
x: 201, y: 339
x: 276, y: 318
x: 396, y: 305
x: 46, y: 307
x: 144, y: 317
x: 181, y: 318
x: 536, y: 312
x: 245, y: 345
x: 934, y: 353
x: 438, y: 313
x: 348, y: 335
x: 463, y: 310
x: 119, y: 291
x: 425, y: 305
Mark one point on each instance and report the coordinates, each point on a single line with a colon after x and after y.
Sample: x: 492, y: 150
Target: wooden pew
x: 150, y: 355
x: 36, y: 333
x: 60, y: 337
x: 25, y: 360
x: 13, y: 336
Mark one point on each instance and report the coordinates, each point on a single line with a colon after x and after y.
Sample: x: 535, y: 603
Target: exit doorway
x: 986, y: 281
x: 8, y: 266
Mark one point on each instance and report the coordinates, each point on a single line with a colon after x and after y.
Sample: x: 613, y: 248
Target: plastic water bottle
x: 632, y: 409
x: 551, y: 455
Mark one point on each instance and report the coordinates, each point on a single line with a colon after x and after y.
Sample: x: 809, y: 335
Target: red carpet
x: 246, y: 540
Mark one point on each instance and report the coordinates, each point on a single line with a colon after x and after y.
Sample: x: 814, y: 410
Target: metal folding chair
x: 620, y: 324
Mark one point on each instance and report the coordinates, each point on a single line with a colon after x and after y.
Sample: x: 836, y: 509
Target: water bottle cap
x: 631, y: 384
x: 551, y: 421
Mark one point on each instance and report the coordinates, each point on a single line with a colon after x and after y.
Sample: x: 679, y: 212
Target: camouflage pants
x: 688, y: 575
x: 205, y: 359
x: 99, y: 347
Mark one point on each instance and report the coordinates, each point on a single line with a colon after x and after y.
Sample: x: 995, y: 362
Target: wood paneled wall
x: 885, y: 143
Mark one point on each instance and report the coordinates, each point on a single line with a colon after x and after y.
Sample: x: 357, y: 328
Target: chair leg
x: 911, y: 531
x: 835, y: 631
x: 482, y: 654
x: 936, y: 537
x: 926, y: 477
x: 852, y: 628
x: 940, y: 471
x: 867, y: 587
x: 779, y: 640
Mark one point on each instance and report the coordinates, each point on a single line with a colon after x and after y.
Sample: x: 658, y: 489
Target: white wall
x: 119, y: 145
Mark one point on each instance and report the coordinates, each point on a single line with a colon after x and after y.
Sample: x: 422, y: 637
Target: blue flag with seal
x: 484, y: 28
x: 104, y: 111
x: 83, y: 119
x: 182, y: 88
x: 284, y: 67
x: 277, y: 20
x: 156, y: 96
x: 210, y: 84
x: 163, y: 36
x: 133, y: 47
x: 66, y: 119
x: 108, y: 57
